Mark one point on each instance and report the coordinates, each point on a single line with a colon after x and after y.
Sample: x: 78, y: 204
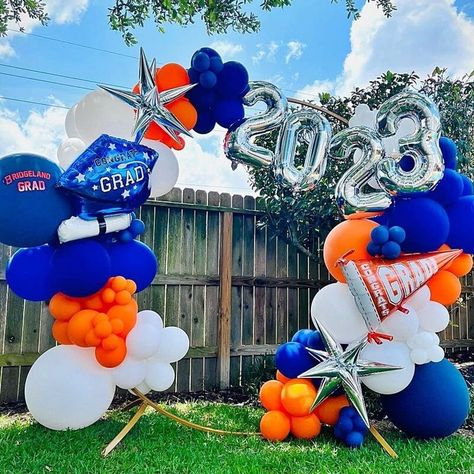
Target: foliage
x: 16, y: 11
x: 297, y: 217
x: 218, y: 15
x: 256, y: 374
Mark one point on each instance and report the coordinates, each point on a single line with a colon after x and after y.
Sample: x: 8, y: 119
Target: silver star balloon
x: 343, y: 367
x: 150, y: 103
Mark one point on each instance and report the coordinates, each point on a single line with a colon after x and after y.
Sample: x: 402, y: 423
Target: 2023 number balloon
x: 351, y: 190
x: 239, y: 143
x: 422, y: 146
x: 312, y: 128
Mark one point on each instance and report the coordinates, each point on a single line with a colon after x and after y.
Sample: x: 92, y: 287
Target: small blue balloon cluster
x: 292, y: 358
x: 219, y: 91
x: 350, y: 428
x: 136, y: 228
x: 385, y: 241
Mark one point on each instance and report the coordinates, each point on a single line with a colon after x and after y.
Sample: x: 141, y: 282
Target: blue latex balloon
x: 379, y: 235
x: 354, y: 439
x: 31, y: 207
x: 449, y: 151
x: 391, y: 250
x: 228, y: 111
x: 216, y: 64
x: 425, y: 222
x: 205, y: 122
x: 212, y: 53
x: 302, y: 336
x: 125, y: 236
x: 29, y: 274
x: 448, y: 189
x: 208, y: 79
x: 349, y: 412
x: 135, y: 261
x: 137, y: 227
x: 359, y: 425
x: 193, y: 75
x: 397, y: 234
x: 468, y: 188
x: 110, y: 176
x: 233, y: 80
x: 345, y: 424
x: 434, y: 405
x: 80, y: 268
x: 406, y: 163
x: 201, y: 98
x: 200, y: 61
x: 315, y: 341
x: 292, y: 359
x: 461, y: 224
x: 374, y: 249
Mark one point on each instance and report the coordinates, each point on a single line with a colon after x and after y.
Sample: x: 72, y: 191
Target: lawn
x: 158, y: 445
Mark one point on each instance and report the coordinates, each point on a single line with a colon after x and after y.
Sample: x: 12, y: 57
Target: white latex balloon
x: 69, y: 150
x: 392, y: 353
x: 436, y: 354
x: 174, y: 345
x: 130, y: 373
x: 147, y: 316
x: 419, y: 299
x: 165, y: 173
x: 421, y: 340
x: 160, y: 375
x: 434, y: 317
x: 143, y: 387
x: 67, y: 389
x: 143, y: 340
x: 400, y: 325
x: 419, y: 356
x: 335, y: 308
x: 70, y: 123
x: 98, y: 112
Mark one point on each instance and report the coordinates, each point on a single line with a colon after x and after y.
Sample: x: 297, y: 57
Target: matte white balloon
x: 420, y: 298
x: 421, y: 340
x: 160, y: 375
x: 143, y: 387
x: 150, y: 317
x: 69, y: 150
x: 66, y: 388
x: 401, y: 325
x: 392, y: 353
x: 130, y: 373
x: 335, y: 308
x: 70, y: 123
x: 419, y: 356
x: 174, y: 345
x: 434, y: 317
x: 143, y: 340
x: 436, y: 354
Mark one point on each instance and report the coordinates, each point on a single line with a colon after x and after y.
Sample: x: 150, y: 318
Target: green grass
x: 158, y: 445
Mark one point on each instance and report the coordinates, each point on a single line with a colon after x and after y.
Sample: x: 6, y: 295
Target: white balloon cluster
x: 97, y: 113
x: 67, y: 388
x: 413, y: 330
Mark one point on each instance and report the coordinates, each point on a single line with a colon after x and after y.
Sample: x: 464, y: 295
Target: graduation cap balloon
x: 111, y: 176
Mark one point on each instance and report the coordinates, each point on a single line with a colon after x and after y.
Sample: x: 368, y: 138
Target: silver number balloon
x: 239, y: 144
x: 306, y: 126
x: 352, y: 190
x: 422, y: 146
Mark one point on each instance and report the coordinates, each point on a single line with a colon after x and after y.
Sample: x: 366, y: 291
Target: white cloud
x: 226, y: 48
x: 295, y: 50
x: 312, y: 91
x: 266, y: 51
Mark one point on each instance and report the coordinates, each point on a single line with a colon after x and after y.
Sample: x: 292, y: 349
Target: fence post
x: 225, y: 289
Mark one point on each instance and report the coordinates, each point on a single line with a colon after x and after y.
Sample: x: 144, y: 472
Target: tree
x: 299, y: 217
x: 218, y: 15
x: 15, y: 11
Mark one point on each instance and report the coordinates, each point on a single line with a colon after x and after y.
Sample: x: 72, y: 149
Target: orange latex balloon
x: 184, y: 112
x: 281, y: 378
x: 111, y: 358
x: 270, y: 395
x: 79, y: 325
x: 445, y: 287
x: 275, y: 425
x: 350, y: 235
x: 127, y: 314
x: 328, y: 411
x: 118, y: 283
x: 461, y: 265
x: 94, y: 302
x: 297, y: 397
x: 62, y: 307
x: 171, y: 75
x: 60, y: 332
x: 305, y: 427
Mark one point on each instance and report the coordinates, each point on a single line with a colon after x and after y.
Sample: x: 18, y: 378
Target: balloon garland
x: 397, y: 257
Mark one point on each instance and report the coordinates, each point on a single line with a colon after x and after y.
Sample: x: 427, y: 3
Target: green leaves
x: 15, y: 11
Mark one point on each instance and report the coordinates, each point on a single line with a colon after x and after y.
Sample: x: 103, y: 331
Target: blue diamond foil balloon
x: 111, y: 176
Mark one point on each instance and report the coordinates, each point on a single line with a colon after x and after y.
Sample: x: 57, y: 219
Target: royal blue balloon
x: 434, y: 405
x: 31, y: 207
x: 29, y: 274
x: 81, y: 267
x: 228, y: 111
x: 135, y: 261
x: 315, y: 341
x: 425, y: 222
x: 302, y: 336
x: 468, y: 188
x: 200, y: 61
x: 205, y: 122
x: 345, y: 424
x: 212, y: 53
x: 233, y: 80
x: 359, y: 425
x: 448, y: 189
x: 208, y: 79
x: 137, y: 227
x: 354, y: 439
x: 193, y: 76
x: 391, y: 250
x: 397, y: 234
x: 292, y: 359
x: 216, y: 64
x: 379, y: 235
x: 201, y: 98
x: 449, y: 151
x: 374, y: 249
x: 125, y: 236
x: 406, y: 163
x: 461, y: 224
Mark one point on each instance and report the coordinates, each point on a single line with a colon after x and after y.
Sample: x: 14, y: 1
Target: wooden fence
x: 236, y: 291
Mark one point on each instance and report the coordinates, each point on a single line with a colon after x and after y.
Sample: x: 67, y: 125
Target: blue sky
x: 303, y: 49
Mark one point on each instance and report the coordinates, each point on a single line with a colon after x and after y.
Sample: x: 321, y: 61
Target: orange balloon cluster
x: 102, y: 320
x: 168, y: 77
x: 289, y: 409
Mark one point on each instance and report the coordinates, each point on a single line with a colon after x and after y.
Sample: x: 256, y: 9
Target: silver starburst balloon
x: 343, y: 367
x: 150, y: 103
